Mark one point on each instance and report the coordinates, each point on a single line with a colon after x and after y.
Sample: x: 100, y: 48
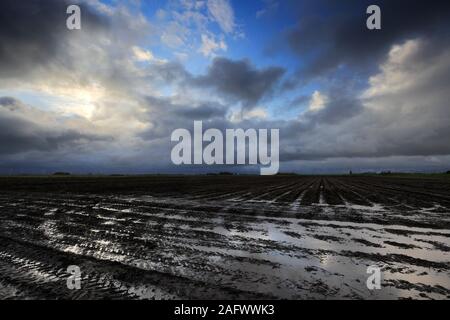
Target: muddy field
x: 225, y: 237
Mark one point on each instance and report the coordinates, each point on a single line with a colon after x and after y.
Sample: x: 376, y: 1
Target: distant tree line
x: 61, y: 174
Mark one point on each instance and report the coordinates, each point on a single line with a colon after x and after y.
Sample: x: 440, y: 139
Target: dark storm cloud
x: 32, y: 31
x: 404, y: 112
x: 235, y: 80
x: 410, y: 113
x: 171, y: 73
x: 240, y: 80
x: 334, y: 33
x: 203, y: 112
x: 165, y: 115
x: 336, y: 110
x: 25, y: 129
x: 340, y: 106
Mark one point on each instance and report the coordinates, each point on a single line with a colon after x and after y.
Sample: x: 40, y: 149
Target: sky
x: 106, y: 98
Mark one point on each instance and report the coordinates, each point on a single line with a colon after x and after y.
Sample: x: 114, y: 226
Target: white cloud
x: 394, y: 76
x: 223, y: 14
x: 174, y: 35
x: 161, y: 14
x: 318, y: 101
x: 190, y: 26
x: 142, y: 55
x: 270, y: 6
x: 101, y: 7
x: 259, y: 113
x: 209, y: 46
x: 192, y: 4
